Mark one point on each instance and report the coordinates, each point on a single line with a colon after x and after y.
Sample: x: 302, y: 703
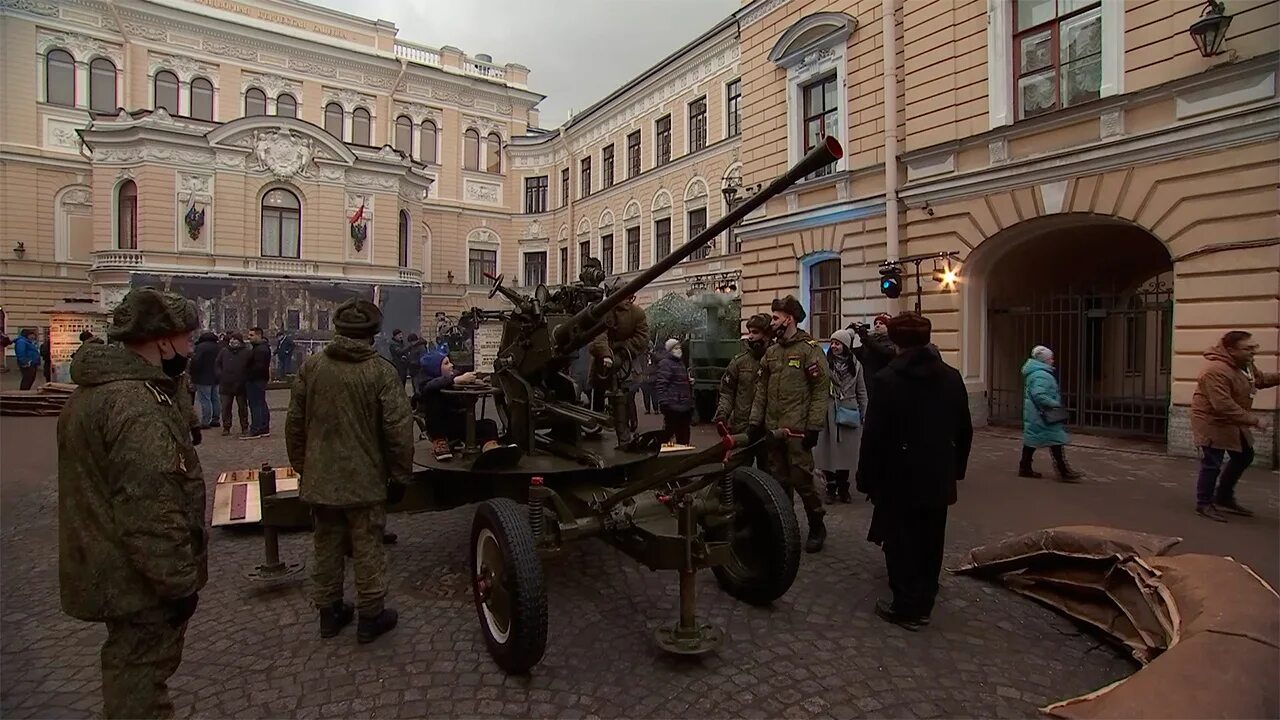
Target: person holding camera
x: 1044, y: 418
x: 876, y: 350
x: 839, y: 443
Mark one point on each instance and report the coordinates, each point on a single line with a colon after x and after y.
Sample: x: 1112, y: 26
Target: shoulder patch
x: 812, y: 342
x: 814, y: 370
x: 162, y: 397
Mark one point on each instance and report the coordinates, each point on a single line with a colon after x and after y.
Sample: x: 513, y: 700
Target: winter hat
x: 909, y: 330
x: 1042, y: 353
x: 671, y: 343
x: 790, y: 306
x: 149, y: 314
x: 432, y: 362
x: 882, y: 318
x: 845, y: 337
x: 357, y: 318
x: 759, y: 321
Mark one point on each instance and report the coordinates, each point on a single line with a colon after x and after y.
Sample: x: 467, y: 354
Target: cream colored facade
x: 63, y: 167
x: 1135, y: 226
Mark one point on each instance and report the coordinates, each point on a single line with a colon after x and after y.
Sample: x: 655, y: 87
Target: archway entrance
x: 1100, y: 295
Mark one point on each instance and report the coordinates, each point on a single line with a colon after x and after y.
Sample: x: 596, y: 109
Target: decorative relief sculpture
x: 282, y: 153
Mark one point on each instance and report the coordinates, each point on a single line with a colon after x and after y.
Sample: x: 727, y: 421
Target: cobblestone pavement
x: 819, y: 652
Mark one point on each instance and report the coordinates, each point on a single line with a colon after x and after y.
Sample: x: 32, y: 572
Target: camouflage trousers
x: 141, y: 652
x: 337, y: 529
x: 792, y: 465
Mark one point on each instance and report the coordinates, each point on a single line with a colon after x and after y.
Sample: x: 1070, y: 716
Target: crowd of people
x: 230, y: 369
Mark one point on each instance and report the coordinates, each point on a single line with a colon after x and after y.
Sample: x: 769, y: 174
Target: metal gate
x: 1112, y: 349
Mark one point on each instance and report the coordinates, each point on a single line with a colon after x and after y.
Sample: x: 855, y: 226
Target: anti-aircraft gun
x: 677, y: 509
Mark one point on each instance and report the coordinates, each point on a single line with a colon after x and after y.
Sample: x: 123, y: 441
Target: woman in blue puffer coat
x: 1041, y: 401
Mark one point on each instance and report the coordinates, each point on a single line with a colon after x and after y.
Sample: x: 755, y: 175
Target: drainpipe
x: 124, y: 34
x: 890, y: 43
x: 391, y: 104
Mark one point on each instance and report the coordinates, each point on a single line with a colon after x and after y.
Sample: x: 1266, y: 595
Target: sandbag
x: 1074, y: 541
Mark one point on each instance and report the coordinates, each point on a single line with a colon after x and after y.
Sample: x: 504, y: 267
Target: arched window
x: 59, y: 78
x: 471, y: 150
x: 281, y: 224
x: 167, y: 92
x: 102, y: 85
x: 201, y: 99
x: 360, y: 127
x: 404, y: 135
x: 255, y: 102
x: 404, y: 239
x: 127, y: 216
x: 333, y: 119
x: 493, y: 153
x: 427, y: 142
x: 286, y: 106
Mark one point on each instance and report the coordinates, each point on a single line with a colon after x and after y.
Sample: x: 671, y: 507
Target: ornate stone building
x: 222, y: 147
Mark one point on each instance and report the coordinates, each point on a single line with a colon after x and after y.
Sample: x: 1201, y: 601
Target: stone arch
x: 631, y: 211
x: 563, y: 235
x: 606, y: 218
x: 695, y: 190
x: 584, y: 227
x: 661, y: 201
x: 73, y: 224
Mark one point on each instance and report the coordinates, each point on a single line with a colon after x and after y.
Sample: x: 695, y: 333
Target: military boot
x: 335, y: 617
x: 369, y: 628
x: 817, y: 534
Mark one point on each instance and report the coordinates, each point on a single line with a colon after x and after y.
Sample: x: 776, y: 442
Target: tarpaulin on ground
x: 1206, y: 627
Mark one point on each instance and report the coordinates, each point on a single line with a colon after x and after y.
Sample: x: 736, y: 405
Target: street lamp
x: 1211, y: 29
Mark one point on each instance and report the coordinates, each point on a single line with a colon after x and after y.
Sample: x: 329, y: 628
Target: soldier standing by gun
x: 131, y: 538
x: 791, y: 394
x: 351, y: 393
x: 738, y: 386
x: 627, y: 334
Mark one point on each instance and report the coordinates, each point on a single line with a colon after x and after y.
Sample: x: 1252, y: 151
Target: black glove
x: 181, y: 609
x: 810, y: 440
x: 196, y: 436
x: 756, y: 433
x: 395, y: 491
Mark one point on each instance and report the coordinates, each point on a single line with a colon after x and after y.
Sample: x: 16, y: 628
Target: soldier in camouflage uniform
x: 349, y: 434
x: 131, y: 537
x: 738, y: 387
x: 792, y: 393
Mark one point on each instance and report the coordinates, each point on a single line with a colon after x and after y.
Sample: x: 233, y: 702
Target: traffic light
x: 891, y: 281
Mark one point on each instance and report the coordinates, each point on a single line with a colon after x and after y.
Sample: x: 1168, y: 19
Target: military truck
x: 711, y: 347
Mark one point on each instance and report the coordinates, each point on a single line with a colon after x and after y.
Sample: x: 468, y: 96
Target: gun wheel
x: 764, y: 551
x: 510, y: 597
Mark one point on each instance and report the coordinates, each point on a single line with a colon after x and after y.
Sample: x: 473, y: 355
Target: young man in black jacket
x: 259, y: 372
x: 915, y: 447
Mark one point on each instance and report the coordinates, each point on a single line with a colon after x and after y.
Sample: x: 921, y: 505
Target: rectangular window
x: 661, y: 238
x: 480, y: 262
x: 697, y: 124
x: 824, y: 298
x: 535, y: 269
x: 733, y: 105
x: 264, y: 318
x: 606, y: 253
x: 633, y: 154
x: 230, y: 320
x: 564, y: 265
x: 564, y: 187
x: 293, y: 320
x: 698, y: 223
x: 606, y: 166
x: 322, y: 320
x: 662, y: 131
x: 821, y: 116
x: 1057, y: 52
x: 584, y: 252
x: 535, y: 194
x: 585, y: 188
x: 633, y: 248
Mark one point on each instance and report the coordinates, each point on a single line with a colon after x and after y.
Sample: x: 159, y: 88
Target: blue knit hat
x: 432, y: 362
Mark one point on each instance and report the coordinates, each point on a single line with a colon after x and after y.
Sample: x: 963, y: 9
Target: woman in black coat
x: 675, y: 393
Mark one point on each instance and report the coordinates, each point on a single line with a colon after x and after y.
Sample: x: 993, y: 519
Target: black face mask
x: 174, y: 366
x: 757, y: 347
x: 780, y: 331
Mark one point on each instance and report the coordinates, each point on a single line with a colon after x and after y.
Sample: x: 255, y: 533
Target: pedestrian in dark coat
x: 256, y: 378
x: 675, y: 393
x: 204, y: 375
x: 46, y: 358
x: 877, y: 349
x: 232, y: 368
x: 915, y: 446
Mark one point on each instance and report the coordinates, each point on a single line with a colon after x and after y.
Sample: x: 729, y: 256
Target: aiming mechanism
x: 682, y: 510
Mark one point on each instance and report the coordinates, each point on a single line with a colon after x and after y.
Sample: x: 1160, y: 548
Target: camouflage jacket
x: 130, y: 490
x: 349, y: 428
x: 737, y: 390
x: 793, y: 386
x: 626, y: 327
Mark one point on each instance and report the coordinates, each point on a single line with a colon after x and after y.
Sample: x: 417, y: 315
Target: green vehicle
x: 710, y: 348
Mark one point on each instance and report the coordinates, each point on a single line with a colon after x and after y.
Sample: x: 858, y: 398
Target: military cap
x: 910, y: 329
x: 149, y: 314
x: 759, y: 321
x: 357, y: 318
x: 790, y: 306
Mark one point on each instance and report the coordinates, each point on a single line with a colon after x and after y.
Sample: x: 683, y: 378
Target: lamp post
x: 1210, y: 29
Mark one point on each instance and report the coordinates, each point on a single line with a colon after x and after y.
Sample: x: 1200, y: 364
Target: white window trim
x: 658, y: 216
x: 813, y: 66
x: 540, y: 246
x: 806, y: 264
x: 671, y: 130
x: 1000, y: 94
x: 590, y: 250
x: 706, y: 120
x: 474, y: 243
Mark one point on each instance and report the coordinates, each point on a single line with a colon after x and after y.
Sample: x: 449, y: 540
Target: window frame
x: 471, y: 149
x: 404, y: 236
x: 696, y: 128
x: 633, y: 243
x: 706, y: 250
x: 606, y: 253
x: 360, y: 115
x: 584, y: 250
x: 564, y: 265
x: 806, y: 118
x: 733, y: 108
x: 584, y: 180
x: 191, y: 99
x: 292, y: 102
x: 658, y: 251
x: 662, y: 140
x: 155, y: 91
x: 404, y: 124
x: 475, y: 273
x: 341, y: 117
x: 535, y: 194
x: 566, y: 189
x: 635, y: 156
x: 525, y: 266
x: 831, y: 293
x: 115, y: 89
x: 493, y: 153
x: 129, y: 203
x: 423, y: 145
x: 279, y: 215
x: 606, y: 166
x: 255, y: 93
x: 1054, y: 27
x: 70, y: 65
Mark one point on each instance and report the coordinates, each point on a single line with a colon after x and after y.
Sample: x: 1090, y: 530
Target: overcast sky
x: 578, y: 51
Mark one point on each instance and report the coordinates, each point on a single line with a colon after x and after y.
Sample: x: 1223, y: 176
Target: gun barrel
x: 568, y: 336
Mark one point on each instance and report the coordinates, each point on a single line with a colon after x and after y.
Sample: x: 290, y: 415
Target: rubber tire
x: 527, y: 639
x: 779, y: 545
